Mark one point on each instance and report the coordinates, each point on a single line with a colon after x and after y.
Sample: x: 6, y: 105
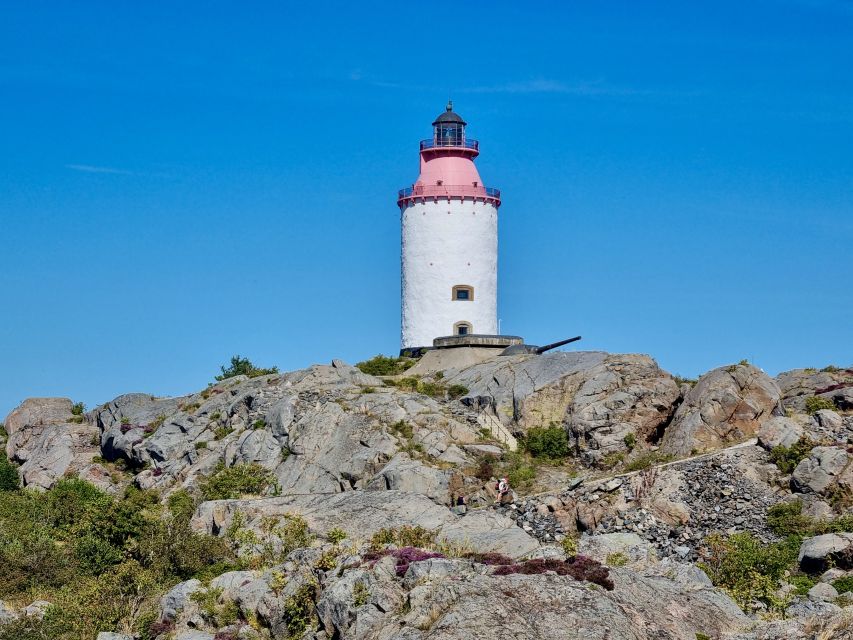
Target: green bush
x: 816, y: 403
x: 78, y: 408
x: 380, y: 365
x: 843, y: 585
x: 787, y: 519
x: 405, y: 536
x: 299, y: 610
x: 648, y: 460
x: 520, y: 472
x: 457, y: 390
x: 630, y: 441
x: 787, y: 458
x: 802, y: 583
x: 747, y: 568
x: 102, y: 561
x: 237, y: 481
x: 432, y: 389
x: 336, y: 535
x: 243, y: 366
x: 9, y: 480
x: 547, y: 442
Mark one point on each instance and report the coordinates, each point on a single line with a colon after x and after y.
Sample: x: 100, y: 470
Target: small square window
x: 463, y: 294
x: 463, y: 330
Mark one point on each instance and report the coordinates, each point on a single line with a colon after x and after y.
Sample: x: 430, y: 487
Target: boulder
x: 7, y: 614
x: 822, y: 471
x: 779, y: 431
x: 179, y: 599
x: 727, y: 405
x: 36, y: 609
x: 37, y: 412
x: 829, y: 420
x: 823, y: 592
x: 630, y: 545
x: 818, y: 553
x: 404, y: 474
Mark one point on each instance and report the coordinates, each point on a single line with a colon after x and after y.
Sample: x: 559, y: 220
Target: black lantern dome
x: 449, y: 128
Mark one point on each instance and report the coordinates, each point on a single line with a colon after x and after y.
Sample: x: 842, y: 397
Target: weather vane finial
x: 450, y: 105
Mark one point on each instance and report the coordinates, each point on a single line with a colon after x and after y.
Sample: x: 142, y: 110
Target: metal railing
x: 455, y: 142
x: 449, y: 190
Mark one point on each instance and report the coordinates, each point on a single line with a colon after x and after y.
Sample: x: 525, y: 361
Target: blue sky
x: 180, y: 182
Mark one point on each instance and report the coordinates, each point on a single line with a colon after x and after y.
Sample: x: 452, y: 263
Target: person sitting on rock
x: 502, y: 487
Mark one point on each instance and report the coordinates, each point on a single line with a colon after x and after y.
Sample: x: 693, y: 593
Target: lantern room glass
x: 449, y: 134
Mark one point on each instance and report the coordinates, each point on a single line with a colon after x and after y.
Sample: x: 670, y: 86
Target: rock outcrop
x: 727, y: 405
x: 49, y: 441
x: 601, y: 399
x: 832, y: 383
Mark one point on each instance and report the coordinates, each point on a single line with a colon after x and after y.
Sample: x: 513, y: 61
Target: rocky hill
x: 321, y: 504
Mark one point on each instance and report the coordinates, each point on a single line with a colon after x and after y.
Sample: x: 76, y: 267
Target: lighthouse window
x: 462, y: 292
x: 461, y: 329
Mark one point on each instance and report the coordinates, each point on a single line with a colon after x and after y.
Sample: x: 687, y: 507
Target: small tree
x: 243, y: 366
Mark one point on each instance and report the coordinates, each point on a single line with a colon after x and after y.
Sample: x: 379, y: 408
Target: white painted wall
x: 447, y: 244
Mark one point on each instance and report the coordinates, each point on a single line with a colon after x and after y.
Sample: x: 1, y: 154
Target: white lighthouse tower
x: 449, y: 225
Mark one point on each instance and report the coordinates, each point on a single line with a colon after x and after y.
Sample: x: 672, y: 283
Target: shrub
x: 336, y: 535
x: 787, y: 458
x: 405, y: 536
x: 748, y: 569
x: 547, y: 442
x: 380, y: 365
x: 456, y: 390
x: 78, y: 408
x: 408, y: 384
x: 816, y: 403
x: 617, y: 559
x: 787, y: 519
x: 220, y: 614
x: 9, y: 480
x: 432, y: 389
x: 485, y: 471
x: 360, y: 594
x: 202, y: 444
x: 570, y: 546
x: 402, y: 428
x: 279, y: 536
x: 843, y: 585
x: 260, y: 423
x: 802, y: 583
x: 520, y: 472
x: 490, y: 558
x: 243, y: 366
x: 579, y: 567
x: 237, y: 481
x: 299, y: 610
x: 221, y: 432
x: 630, y: 441
x: 647, y: 460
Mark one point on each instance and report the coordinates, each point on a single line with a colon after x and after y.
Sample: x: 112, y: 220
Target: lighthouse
x: 449, y: 234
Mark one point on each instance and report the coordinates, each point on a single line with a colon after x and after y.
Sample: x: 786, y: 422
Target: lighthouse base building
x: 449, y: 229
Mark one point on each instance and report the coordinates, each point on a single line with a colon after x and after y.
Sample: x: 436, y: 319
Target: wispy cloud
x: 87, y: 168
x: 544, y: 85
